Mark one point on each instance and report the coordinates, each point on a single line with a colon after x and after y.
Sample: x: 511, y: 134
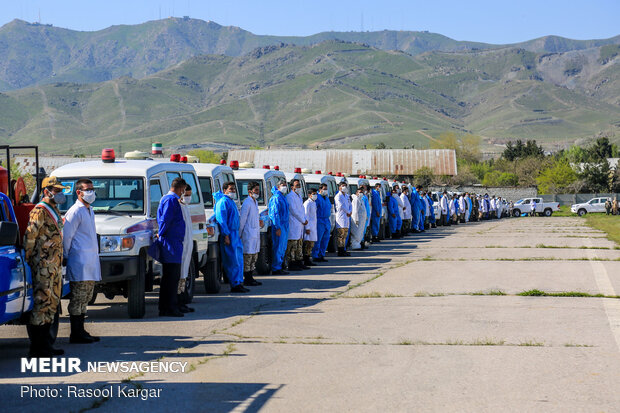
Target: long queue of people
x: 300, y: 235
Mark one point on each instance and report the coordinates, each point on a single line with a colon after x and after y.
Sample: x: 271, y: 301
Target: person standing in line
x: 415, y: 210
x: 407, y: 216
x: 323, y: 224
x: 296, y: 222
x: 533, y: 208
x: 366, y: 201
x: 461, y: 200
x: 188, y: 250
x: 444, y: 205
x: 278, y: 214
x: 81, y: 250
x: 454, y: 209
x: 393, y: 216
x: 231, y: 248
x: 428, y: 212
x: 43, y: 249
x: 430, y: 201
x: 171, y: 234
x: 343, y: 218
x: 358, y: 220
x: 608, y: 206
x: 422, y: 214
x: 377, y: 209
x: 311, y: 228
x: 249, y: 228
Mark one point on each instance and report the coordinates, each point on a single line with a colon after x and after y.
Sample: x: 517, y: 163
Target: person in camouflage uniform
x: 43, y: 247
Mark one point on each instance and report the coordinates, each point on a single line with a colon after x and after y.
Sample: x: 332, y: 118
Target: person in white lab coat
x: 310, y: 230
x: 358, y: 220
x: 462, y: 208
x: 407, y: 217
x: 343, y: 218
x: 188, y: 249
x: 249, y: 228
x: 81, y: 250
x: 444, y: 204
x: 296, y: 222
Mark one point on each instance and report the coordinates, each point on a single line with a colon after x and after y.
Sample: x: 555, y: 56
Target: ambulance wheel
x: 516, y: 213
x: 332, y: 245
x: 212, y: 278
x: 135, y: 290
x: 263, y: 263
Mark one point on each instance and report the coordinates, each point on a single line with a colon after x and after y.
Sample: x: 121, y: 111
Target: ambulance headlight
x: 116, y: 243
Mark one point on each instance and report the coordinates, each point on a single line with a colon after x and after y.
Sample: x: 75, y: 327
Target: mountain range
x: 185, y: 81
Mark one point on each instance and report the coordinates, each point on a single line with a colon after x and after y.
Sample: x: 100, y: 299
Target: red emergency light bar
x: 222, y: 161
x: 234, y: 165
x: 183, y: 159
x: 317, y: 172
x: 175, y: 157
x: 277, y: 168
x: 297, y: 170
x: 108, y: 156
x: 265, y: 166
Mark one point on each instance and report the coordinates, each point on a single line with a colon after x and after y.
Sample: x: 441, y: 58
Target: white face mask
x: 313, y: 197
x: 231, y: 195
x: 255, y: 195
x: 89, y: 196
x: 187, y: 200
x: 323, y: 192
x: 59, y: 198
x: 284, y: 189
x: 344, y: 190
x: 299, y: 191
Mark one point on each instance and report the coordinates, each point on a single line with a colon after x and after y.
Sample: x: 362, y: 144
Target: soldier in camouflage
x: 43, y: 247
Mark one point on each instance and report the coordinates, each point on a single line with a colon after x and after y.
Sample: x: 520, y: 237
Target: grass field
x: 608, y: 223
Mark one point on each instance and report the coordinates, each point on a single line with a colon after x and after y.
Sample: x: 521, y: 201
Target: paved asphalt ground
x: 414, y: 325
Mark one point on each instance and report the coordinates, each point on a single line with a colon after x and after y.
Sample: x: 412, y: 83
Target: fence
x: 569, y: 199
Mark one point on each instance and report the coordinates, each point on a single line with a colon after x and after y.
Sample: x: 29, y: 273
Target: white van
x: 128, y: 195
x: 267, y: 179
x: 211, y: 178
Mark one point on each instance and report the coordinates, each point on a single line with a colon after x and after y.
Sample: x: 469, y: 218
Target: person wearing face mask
x: 375, y: 220
x: 171, y: 234
x: 227, y: 217
x: 343, y: 218
x: 405, y: 198
x: 296, y: 222
x: 188, y: 249
x: 393, y: 214
x: 80, y: 249
x: 310, y: 230
x: 323, y: 224
x: 278, y: 214
x: 43, y: 249
x: 366, y: 201
x: 358, y: 220
x: 249, y: 227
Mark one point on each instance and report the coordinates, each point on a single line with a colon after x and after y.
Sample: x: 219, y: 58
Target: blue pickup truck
x: 15, y: 276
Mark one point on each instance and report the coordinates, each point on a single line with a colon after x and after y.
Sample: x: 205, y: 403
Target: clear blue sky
x: 492, y: 21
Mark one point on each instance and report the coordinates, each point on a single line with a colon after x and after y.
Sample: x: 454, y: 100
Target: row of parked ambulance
x: 128, y: 194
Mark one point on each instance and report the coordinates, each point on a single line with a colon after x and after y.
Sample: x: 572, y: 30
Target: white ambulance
x: 128, y: 194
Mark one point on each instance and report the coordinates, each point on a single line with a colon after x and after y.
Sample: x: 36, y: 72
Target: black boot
x: 320, y: 259
x: 40, y: 342
x: 77, y: 331
x: 341, y: 252
x: 86, y: 333
x: 301, y: 265
x: 308, y: 262
x: 249, y: 280
x: 294, y: 266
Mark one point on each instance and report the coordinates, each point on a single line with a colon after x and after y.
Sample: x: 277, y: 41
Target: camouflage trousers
x: 47, y: 292
x: 308, y: 245
x: 294, y: 250
x: 181, y: 286
x: 249, y: 262
x: 341, y: 236
x: 81, y: 294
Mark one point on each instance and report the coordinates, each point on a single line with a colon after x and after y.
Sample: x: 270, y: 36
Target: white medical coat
x: 343, y: 207
x: 296, y: 216
x: 310, y: 210
x: 249, y: 226
x: 80, y: 245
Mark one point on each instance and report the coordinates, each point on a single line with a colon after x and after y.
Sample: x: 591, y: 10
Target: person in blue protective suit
x: 278, y: 214
x: 323, y: 224
x: 377, y: 209
x: 231, y: 247
x: 365, y: 195
x: 416, y: 206
x: 422, y: 209
x: 393, y: 214
x: 170, y: 240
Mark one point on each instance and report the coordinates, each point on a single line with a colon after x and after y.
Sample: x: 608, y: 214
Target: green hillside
x: 32, y: 54
x: 333, y: 94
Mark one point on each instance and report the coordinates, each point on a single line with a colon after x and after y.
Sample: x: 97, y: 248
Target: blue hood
x: 218, y: 195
